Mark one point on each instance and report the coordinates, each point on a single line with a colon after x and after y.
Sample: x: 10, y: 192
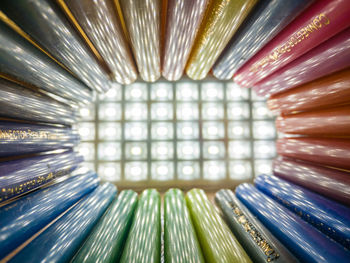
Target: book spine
x: 329, y: 217
x: 23, y: 175
x: 257, y: 241
x: 329, y: 57
x: 21, y: 103
x: 24, y: 217
x: 37, y: 69
x: 144, y: 236
x: 22, y: 138
x: 104, y: 236
x: 60, y: 241
x: 302, y: 239
x: 182, y: 247
x: 317, y: 150
x: 329, y: 91
x: 217, y: 242
x: 315, y: 25
x: 266, y: 20
x: 328, y: 182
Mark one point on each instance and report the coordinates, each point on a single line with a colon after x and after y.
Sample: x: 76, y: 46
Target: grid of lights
x: 178, y: 131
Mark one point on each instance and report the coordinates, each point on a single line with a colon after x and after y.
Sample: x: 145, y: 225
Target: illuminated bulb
x: 264, y: 149
x: 161, y: 93
x: 187, y: 112
x: 187, y: 150
x: 111, y: 112
x: 111, y: 131
x: 110, y: 171
x: 136, y: 150
x: 237, y: 111
x: 136, y: 112
x: 136, y: 171
x: 212, y: 93
x: 84, y: 131
x: 187, y: 170
x: 162, y: 170
x: 111, y: 151
x: 262, y: 111
x: 212, y: 111
x: 162, y: 131
x: 84, y: 112
x: 162, y: 112
x: 238, y: 130
x: 264, y: 168
x: 213, y: 150
x: 187, y: 130
x: 136, y: 93
x: 213, y: 131
x: 162, y: 150
x: 213, y: 169
x: 111, y: 93
x: 186, y: 93
x: 239, y: 169
x: 136, y: 131
x: 84, y: 151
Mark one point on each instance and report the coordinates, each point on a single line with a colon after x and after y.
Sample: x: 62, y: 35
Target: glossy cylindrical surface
x: 183, y: 21
x: 256, y: 240
x: 266, y: 20
x: 328, y: 216
x: 62, y: 239
x: 47, y: 25
x: 327, y: 122
x: 302, y: 239
x: 100, y: 21
x: 143, y: 243
x: 220, y: 23
x: 321, y: 93
x: 142, y: 19
x: 21, y: 103
x: 331, y: 56
x: 318, y: 23
x: 181, y: 243
x: 23, y: 218
x: 217, y: 242
x: 23, y: 175
x: 325, y: 151
x: 106, y: 241
x: 34, y: 67
x: 328, y: 182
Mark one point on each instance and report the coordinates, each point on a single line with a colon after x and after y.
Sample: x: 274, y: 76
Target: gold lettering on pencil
x: 29, y: 134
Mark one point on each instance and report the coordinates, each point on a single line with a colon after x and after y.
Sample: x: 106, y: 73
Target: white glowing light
x: 162, y: 170
x: 187, y: 130
x: 136, y: 171
x: 136, y: 150
x: 214, y: 150
x: 213, y: 130
x: 187, y: 150
x: 162, y: 150
x: 162, y: 131
x: 187, y: 170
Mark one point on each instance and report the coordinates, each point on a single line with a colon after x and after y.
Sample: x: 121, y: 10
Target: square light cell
x: 236, y: 93
x: 214, y: 170
x: 136, y: 150
x: 113, y: 94
x: 135, y: 131
x: 109, y: 171
x: 87, y: 150
x: 256, y: 97
x: 109, y: 131
x: 136, y: 92
x: 109, y: 111
x: 135, y: 171
x: 213, y: 130
x: 87, y: 131
x: 262, y: 167
x: 162, y: 171
x: 188, y: 150
x: 238, y: 111
x: 87, y: 113
x: 162, y: 91
x: 162, y: 111
x: 212, y: 111
x: 162, y: 130
x: 88, y: 166
x: 239, y: 149
x: 240, y: 170
x: 214, y: 150
x: 264, y: 149
x: 186, y: 91
x: 238, y: 130
x: 264, y: 130
x: 188, y: 170
x: 136, y: 111
x: 187, y: 111
x: 261, y: 111
x: 162, y: 150
x: 187, y: 130
x: 109, y: 151
x: 212, y: 91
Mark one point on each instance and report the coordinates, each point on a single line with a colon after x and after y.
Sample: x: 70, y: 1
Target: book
x: 331, y: 56
x: 332, y: 90
x: 48, y: 26
x: 256, y: 240
x: 24, y: 138
x: 322, y: 20
x: 18, y: 102
x: 33, y: 67
x: 265, y: 21
x: 323, y: 151
x: 27, y: 174
x: 328, y: 182
x: 111, y: 231
x: 303, y: 240
x: 24, y: 217
x: 180, y: 239
x: 61, y: 240
x: 144, y: 236
x: 328, y: 216
x: 217, y: 241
